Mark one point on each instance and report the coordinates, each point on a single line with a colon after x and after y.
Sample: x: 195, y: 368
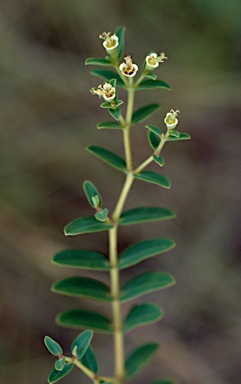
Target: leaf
x: 83, y: 318
x: 165, y: 381
x: 120, y: 33
x: 140, y: 357
x: 81, y: 343
x: 144, y: 250
x: 144, y: 112
x: 86, y: 225
x: 102, y: 215
x: 82, y: 287
x: 53, y: 347
x: 145, y: 214
x: 153, y: 177
x: 154, y: 141
x: 98, y: 61
x: 108, y: 157
x: 146, y: 283
x: 142, y: 314
x: 91, y: 193
x: 56, y: 375
x: 89, y: 360
x: 154, y: 129
x: 174, y: 133
x: 183, y: 136
x: 115, y: 113
x: 152, y: 84
x: 109, y: 125
x: 82, y: 258
x: 159, y: 160
x: 59, y: 364
x: 151, y: 75
x: 108, y: 75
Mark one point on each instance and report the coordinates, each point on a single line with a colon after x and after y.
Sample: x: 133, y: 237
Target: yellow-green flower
x: 110, y: 41
x: 128, y: 68
x: 171, y: 120
x: 106, y: 91
x: 153, y: 61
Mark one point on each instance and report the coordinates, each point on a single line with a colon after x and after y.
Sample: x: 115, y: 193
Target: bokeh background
x: 48, y: 116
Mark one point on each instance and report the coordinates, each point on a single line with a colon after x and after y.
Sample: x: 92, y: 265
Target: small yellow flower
x: 106, y: 91
x: 171, y: 120
x: 110, y: 41
x: 153, y: 61
x: 128, y: 68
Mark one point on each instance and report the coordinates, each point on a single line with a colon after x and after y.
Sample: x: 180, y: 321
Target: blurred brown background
x: 48, y: 116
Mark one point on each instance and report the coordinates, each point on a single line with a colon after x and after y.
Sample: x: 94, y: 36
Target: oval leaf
x: 141, y: 315
x: 152, y: 84
x: 153, y: 177
x: 183, y: 136
x: 102, y: 215
x: 90, y: 360
x: 109, y: 125
x: 56, y: 375
x: 92, y: 194
x: 115, y: 113
x: 86, y: 225
x: 159, y: 160
x: 154, y: 129
x: 143, y: 250
x: 59, y: 364
x: 108, y: 157
x: 144, y: 112
x: 82, y: 287
x: 82, y: 258
x: 83, y: 318
x: 145, y: 214
x: 120, y: 33
x: 108, y: 75
x: 154, y: 141
x: 81, y: 343
x: 53, y: 347
x: 140, y: 357
x: 98, y: 61
x: 145, y: 283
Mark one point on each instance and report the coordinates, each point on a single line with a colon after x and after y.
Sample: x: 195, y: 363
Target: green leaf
x: 109, y: 125
x: 56, y: 375
x: 59, y: 364
x: 89, y: 360
x: 98, y: 61
x: 174, y: 133
x: 144, y: 112
x: 183, y: 136
x: 53, y: 347
x: 152, y: 84
x: 108, y: 75
x: 108, y: 156
x: 165, y: 381
x: 151, y: 75
x: 142, y: 314
x: 144, y: 250
x: 159, y: 160
x: 115, y: 113
x: 102, y: 215
x: 145, y: 214
x: 153, y: 177
x: 92, y: 194
x: 120, y: 33
x: 83, y: 318
x: 86, y: 225
x: 154, y: 129
x: 82, y: 287
x: 82, y: 258
x: 81, y: 343
x: 154, y: 141
x: 145, y: 283
x: 106, y: 104
x: 140, y: 357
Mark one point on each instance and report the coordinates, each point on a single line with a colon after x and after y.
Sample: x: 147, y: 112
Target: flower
x: 128, y: 68
x: 110, y: 41
x: 106, y: 91
x: 153, y: 61
x: 171, y: 119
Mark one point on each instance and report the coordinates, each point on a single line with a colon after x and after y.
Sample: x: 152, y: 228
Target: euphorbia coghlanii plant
x: 121, y: 74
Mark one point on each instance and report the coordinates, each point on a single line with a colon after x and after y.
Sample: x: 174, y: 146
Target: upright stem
x: 113, y: 243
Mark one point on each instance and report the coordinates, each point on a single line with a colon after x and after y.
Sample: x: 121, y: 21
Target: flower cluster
x: 106, y: 91
x: 153, y: 61
x: 171, y: 120
x: 128, y: 68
